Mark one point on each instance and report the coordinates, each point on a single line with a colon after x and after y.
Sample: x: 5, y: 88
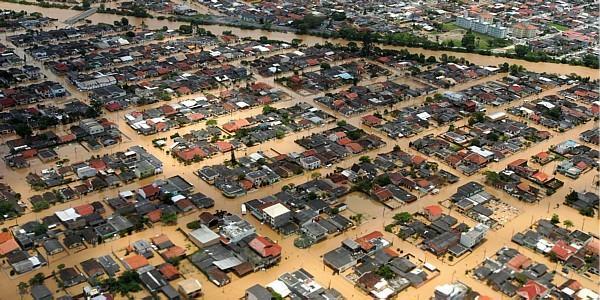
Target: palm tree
x: 23, y: 288
x: 315, y: 175
x: 568, y: 224
x: 358, y: 218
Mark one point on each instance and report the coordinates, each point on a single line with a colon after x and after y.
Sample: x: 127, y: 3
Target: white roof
x: 126, y: 194
x: 204, y: 234
x: 227, y: 263
x: 177, y: 198
x: 544, y: 246
x: 261, y: 48
x: 34, y: 260
x: 276, y: 210
x: 526, y: 110
x: 123, y: 41
x: 68, y: 214
x: 188, y: 103
x: 497, y: 115
x: 383, y: 294
x: 280, y: 288
x: 424, y: 116
x: 126, y: 58
x: 546, y: 104
x: 429, y: 267
x: 491, y: 69
x: 587, y: 294
x: 482, y: 152
x: 255, y: 156
x: 242, y: 104
x: 190, y: 285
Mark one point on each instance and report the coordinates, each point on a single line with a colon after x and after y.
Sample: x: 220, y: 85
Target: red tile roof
x: 84, y: 209
x: 191, y: 153
x: 433, y: 210
x: 371, y: 120
x: 265, y: 247
x: 365, y: 241
x: 150, y: 190
x: 562, y: 250
x: 169, y: 271
x: 531, y: 290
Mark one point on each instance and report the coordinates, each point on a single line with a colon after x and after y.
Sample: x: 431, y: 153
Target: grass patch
x: 450, y: 26
x: 559, y: 27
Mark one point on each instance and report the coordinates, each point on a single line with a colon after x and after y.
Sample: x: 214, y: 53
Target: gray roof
x: 40, y: 292
x: 339, y: 258
x: 259, y: 292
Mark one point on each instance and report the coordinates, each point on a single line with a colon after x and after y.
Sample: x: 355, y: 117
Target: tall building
x: 523, y: 30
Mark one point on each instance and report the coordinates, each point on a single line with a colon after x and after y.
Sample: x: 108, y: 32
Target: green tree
x: 468, y: 40
x: 211, y: 122
x: 492, y: 177
x: 364, y: 159
x: 268, y: 109
x: 185, y: 29
x: 40, y: 228
x: 37, y: 279
x: 169, y: 218
x: 315, y: 175
x: 23, y: 130
x: 403, y: 217
x: 40, y: 205
x: 555, y: 219
x: 521, y: 50
x: 385, y: 272
x: 571, y: 197
x: 588, y: 212
x: 568, y: 224
x: 358, y: 218
x: 296, y: 42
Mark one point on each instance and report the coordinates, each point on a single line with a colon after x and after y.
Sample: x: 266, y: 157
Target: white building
x: 310, y: 162
x: 474, y: 236
x: 450, y: 291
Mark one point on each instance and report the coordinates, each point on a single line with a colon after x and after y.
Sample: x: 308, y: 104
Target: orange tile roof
x: 159, y: 239
x: 173, y: 252
x: 154, y: 216
x: 8, y: 247
x: 136, y: 261
x: 519, y: 262
x: 433, y: 210
x: 5, y: 236
x: 169, y: 271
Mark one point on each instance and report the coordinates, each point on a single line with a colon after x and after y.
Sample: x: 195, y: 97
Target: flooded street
x: 311, y: 258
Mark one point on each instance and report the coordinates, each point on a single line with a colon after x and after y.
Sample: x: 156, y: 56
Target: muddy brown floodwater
x: 63, y: 14
x: 310, y: 259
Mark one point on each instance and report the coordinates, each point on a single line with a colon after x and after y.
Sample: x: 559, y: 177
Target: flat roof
x: 276, y: 210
